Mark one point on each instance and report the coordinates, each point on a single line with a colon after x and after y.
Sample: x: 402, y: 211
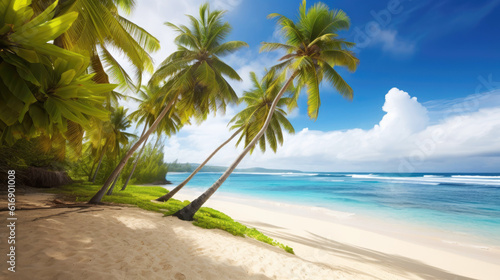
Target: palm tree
x: 53, y: 96
x: 144, y: 114
x: 114, y: 135
x: 250, y: 120
x: 98, y: 28
x: 196, y: 76
x: 313, y: 49
x: 120, y: 122
x: 258, y: 101
x: 45, y: 91
x: 147, y: 113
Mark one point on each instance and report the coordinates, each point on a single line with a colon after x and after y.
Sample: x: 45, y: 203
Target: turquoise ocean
x: 467, y: 204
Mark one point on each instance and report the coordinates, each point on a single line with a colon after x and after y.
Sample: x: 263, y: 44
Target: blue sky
x: 438, y: 54
x: 439, y: 50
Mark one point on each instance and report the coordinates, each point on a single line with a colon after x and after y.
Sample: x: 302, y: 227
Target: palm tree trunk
x: 91, y: 171
x: 99, y: 165
x: 98, y: 196
x: 137, y: 160
x: 135, y: 165
x: 169, y: 195
x: 187, y: 213
x: 110, y: 191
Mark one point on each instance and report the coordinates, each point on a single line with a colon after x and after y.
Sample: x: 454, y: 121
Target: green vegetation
x: 152, y: 168
x: 193, y: 79
x: 313, y: 48
x: 251, y: 119
x: 189, y: 167
x: 58, y: 81
x: 181, y: 167
x: 142, y: 197
x: 257, y: 101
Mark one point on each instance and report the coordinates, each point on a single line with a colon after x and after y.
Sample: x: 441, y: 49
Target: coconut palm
x: 147, y: 113
x: 251, y: 119
x: 98, y: 28
x: 312, y: 49
x: 196, y: 75
x: 114, y: 136
x: 258, y: 102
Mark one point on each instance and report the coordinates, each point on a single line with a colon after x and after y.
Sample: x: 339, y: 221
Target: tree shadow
x: 395, y: 264
x: 125, y: 252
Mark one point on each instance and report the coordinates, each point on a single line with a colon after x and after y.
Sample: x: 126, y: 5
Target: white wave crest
x: 483, y: 180
x: 476, y: 177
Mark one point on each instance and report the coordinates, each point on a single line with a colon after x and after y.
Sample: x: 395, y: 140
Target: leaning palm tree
x: 114, y: 135
x: 144, y: 114
x: 147, y: 113
x: 250, y: 120
x: 313, y: 49
x: 120, y: 122
x: 196, y: 75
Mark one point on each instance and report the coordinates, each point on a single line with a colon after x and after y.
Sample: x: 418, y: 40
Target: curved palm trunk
x: 169, y: 195
x: 187, y: 213
x: 135, y: 165
x: 137, y: 160
x: 99, y: 165
x: 98, y: 196
x: 110, y: 191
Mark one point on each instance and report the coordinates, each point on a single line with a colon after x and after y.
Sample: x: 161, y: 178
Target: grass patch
x: 141, y: 197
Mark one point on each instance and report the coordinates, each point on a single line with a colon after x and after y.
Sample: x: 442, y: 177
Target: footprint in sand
x: 179, y: 276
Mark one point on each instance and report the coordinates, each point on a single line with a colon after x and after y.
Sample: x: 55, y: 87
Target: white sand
x: 380, y: 253
x: 130, y: 243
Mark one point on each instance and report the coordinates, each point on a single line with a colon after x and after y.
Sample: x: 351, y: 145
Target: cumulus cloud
x: 403, y: 140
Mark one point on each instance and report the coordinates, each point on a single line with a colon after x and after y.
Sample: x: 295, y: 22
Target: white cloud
x: 403, y: 140
x: 373, y: 35
x: 226, y: 4
x: 391, y: 42
x: 442, y: 109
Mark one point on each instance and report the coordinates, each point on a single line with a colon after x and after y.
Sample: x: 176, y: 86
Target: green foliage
x: 258, y: 101
x: 25, y: 153
x: 151, y: 99
x: 313, y: 49
x: 180, y: 167
x: 44, y: 90
x: 195, y: 73
x: 99, y: 28
x: 151, y: 167
x: 81, y: 168
x: 143, y: 197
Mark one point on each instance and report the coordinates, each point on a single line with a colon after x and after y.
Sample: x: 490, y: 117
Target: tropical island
x: 102, y: 115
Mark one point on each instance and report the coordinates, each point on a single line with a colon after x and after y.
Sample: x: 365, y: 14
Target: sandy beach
x: 119, y: 242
